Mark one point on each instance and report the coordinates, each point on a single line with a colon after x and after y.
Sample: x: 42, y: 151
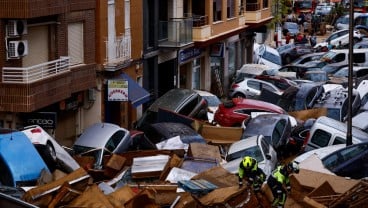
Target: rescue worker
x: 279, y: 183
x: 248, y: 168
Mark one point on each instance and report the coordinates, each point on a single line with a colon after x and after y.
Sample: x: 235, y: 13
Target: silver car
x: 251, y: 88
x: 100, y: 140
x: 257, y: 147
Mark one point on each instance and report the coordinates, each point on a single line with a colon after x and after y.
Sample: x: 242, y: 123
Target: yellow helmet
x: 248, y: 162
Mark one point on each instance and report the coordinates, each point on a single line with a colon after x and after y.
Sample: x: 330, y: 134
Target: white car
x: 264, y: 54
x: 256, y: 147
x: 339, y: 36
x: 251, y: 88
x: 51, y: 152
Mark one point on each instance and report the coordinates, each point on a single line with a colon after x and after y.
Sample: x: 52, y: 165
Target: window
x: 75, y: 43
x: 265, y: 4
x: 277, y: 133
x: 339, y: 57
x: 339, y: 140
x: 254, y: 85
x: 217, y: 10
x: 115, y: 140
x: 359, y: 58
x: 321, y: 138
x: 188, y: 107
x: 230, y: 8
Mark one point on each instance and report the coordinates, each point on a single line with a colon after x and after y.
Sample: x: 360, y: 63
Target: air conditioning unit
x: 17, y: 49
x: 16, y: 28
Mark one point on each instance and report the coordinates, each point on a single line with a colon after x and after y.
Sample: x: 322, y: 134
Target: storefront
x: 191, y: 68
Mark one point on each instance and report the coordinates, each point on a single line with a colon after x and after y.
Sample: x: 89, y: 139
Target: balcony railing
x: 119, y: 50
x: 176, y: 32
x: 252, y: 6
x: 26, y: 75
x: 199, y: 20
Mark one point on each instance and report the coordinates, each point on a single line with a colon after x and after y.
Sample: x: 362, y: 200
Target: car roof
x: 320, y: 152
x: 173, y: 99
x: 98, y: 134
x: 243, y: 144
x: 262, y: 124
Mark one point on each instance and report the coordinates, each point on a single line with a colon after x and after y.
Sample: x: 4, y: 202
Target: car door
x: 268, y: 150
x: 253, y: 89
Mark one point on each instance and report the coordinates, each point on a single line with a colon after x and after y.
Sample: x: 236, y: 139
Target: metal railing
x: 25, y: 75
x: 119, y: 49
x: 252, y: 6
x: 176, y: 31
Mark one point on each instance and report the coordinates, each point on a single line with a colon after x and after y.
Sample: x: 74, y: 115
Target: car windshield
x: 272, y: 57
x: 342, y: 73
x: 95, y: 154
x: 254, y: 152
x: 335, y: 159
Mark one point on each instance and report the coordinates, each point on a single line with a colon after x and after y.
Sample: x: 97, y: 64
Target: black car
x: 350, y: 161
x: 182, y: 101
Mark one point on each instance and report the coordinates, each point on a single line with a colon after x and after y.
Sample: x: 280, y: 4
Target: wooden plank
x: 220, y: 135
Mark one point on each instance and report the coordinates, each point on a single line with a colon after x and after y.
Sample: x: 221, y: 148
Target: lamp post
x: 350, y: 77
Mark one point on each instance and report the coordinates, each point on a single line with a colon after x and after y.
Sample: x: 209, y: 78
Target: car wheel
x: 49, y: 155
x: 239, y: 95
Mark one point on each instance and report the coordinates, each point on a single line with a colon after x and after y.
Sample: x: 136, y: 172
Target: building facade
x: 198, y: 44
x: 47, y: 64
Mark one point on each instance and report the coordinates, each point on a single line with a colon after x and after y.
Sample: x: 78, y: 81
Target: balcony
x: 27, y: 89
x: 175, y: 33
x: 254, y: 13
x: 207, y: 31
x: 27, y: 75
x: 118, y: 52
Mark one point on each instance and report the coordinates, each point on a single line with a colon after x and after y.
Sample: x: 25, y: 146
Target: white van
x: 264, y: 54
x: 327, y: 131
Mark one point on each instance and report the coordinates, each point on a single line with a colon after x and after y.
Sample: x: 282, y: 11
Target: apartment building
x: 198, y: 44
x: 47, y: 64
x: 118, y: 52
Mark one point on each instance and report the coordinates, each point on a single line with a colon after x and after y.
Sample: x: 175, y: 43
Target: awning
x: 137, y: 95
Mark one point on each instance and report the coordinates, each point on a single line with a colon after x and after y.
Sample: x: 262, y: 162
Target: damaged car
x: 52, y: 153
x: 99, y: 141
x: 232, y: 113
x: 255, y: 146
x: 20, y: 163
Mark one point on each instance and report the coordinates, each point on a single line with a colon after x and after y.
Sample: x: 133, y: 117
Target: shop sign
x: 189, y: 53
x: 47, y: 120
x: 217, y: 50
x: 117, y: 90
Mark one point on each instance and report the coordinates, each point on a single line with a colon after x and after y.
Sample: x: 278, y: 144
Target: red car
x: 232, y: 113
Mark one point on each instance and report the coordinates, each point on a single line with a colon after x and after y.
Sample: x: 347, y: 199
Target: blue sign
x: 189, y: 53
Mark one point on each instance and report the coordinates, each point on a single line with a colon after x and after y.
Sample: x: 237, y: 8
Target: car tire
x: 49, y: 155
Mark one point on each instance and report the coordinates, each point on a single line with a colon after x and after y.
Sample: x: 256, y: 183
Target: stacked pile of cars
x: 276, y: 111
